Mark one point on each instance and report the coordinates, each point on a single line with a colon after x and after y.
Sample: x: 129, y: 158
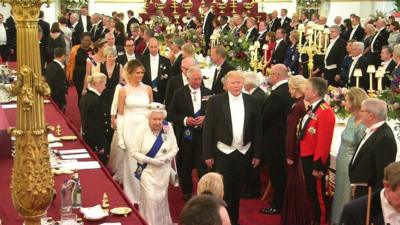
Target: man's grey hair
x: 193, y: 69
x: 98, y: 16
x: 359, y: 45
x: 337, y: 28
x: 376, y: 106
x: 396, y: 50
x: 75, y: 15
x: 251, y: 78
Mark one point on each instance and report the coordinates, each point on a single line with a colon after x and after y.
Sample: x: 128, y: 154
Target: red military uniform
x: 315, y: 138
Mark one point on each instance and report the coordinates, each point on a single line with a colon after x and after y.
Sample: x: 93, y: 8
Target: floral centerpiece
x: 73, y: 4
x: 196, y: 39
x: 238, y: 52
x: 336, y: 99
x: 393, y: 101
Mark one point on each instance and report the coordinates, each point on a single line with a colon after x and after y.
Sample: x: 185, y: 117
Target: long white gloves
x: 120, y: 128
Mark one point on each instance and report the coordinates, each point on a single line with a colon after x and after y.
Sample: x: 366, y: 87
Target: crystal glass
x: 68, y: 219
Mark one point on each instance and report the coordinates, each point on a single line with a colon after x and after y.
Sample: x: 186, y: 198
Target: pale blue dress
x: 351, y: 137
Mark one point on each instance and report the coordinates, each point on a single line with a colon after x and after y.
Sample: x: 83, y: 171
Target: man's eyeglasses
x: 129, y: 45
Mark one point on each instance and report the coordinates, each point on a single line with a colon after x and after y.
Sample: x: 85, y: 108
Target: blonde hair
x: 356, y: 96
x: 211, y: 183
x: 96, y: 78
x: 188, y: 48
x: 110, y: 51
x: 298, y: 82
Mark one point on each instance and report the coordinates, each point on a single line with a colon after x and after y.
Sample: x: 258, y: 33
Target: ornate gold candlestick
x: 234, y: 6
x: 187, y: 6
x: 254, y: 63
x: 159, y: 6
x: 222, y: 6
x: 32, y: 182
x: 248, y: 6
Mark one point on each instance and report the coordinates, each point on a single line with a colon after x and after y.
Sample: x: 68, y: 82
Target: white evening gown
x: 135, y: 113
x: 154, y: 181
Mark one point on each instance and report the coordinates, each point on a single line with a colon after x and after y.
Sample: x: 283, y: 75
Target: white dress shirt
x: 305, y: 118
x: 94, y: 90
x: 283, y: 20
x: 236, y: 106
x: 74, y: 25
x: 195, y: 94
x: 386, y: 64
x: 84, y: 23
x: 390, y: 215
x: 130, y: 57
x: 374, y: 39
x: 260, y: 33
x: 368, y: 132
x: 353, y: 64
x: 249, y: 32
x: 353, y: 31
x: 3, y: 34
x: 59, y: 63
x: 328, y: 50
x: 154, y: 61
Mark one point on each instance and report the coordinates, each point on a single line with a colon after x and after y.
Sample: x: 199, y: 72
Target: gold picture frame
x: 120, y: 1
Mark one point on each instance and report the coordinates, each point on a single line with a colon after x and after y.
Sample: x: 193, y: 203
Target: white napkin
x: 92, y: 213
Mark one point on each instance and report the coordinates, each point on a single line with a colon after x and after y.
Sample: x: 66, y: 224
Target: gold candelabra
x: 248, y: 6
x: 222, y: 6
x: 316, y: 42
x: 159, y: 6
x: 234, y: 6
x: 254, y: 63
x: 32, y: 182
x: 187, y: 6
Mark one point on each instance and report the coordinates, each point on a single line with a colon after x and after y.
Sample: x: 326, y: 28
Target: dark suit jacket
x: 55, y: 77
x: 274, y: 111
x: 253, y: 35
x: 123, y: 59
x: 354, y: 213
x: 286, y: 24
x: 208, y: 28
x: 279, y: 54
x: 175, y: 83
x: 45, y: 26
x: 93, y: 127
x: 225, y: 30
x: 359, y: 34
x: 76, y: 34
x: 261, y: 38
x: 260, y: 95
x: 119, y: 39
x: 164, y: 71
x: 218, y: 125
x: 176, y: 66
x: 386, y: 81
x: 96, y: 33
x: 380, y: 41
x: 128, y: 25
x: 217, y: 86
x: 182, y: 106
x: 120, y: 54
x: 12, y: 33
x: 362, y: 64
x: 374, y: 155
x: 274, y: 25
x: 337, y: 53
x: 190, y: 25
x: 88, y: 22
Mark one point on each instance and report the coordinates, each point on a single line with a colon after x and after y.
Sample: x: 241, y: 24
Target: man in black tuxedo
x: 97, y: 26
x: 131, y: 20
x: 377, y: 148
x: 385, y: 208
x: 175, y: 56
x: 275, y: 111
x: 224, y: 25
x: 379, y: 40
x: 218, y: 55
x: 157, y: 71
x: 334, y: 56
x: 120, y: 49
x: 358, y: 62
x: 262, y: 32
x: 207, y: 26
x: 278, y: 56
x: 77, y: 29
x: 252, y: 31
x: 388, y: 65
x: 285, y: 21
x: 84, y: 19
x: 232, y: 138
x: 357, y: 32
x: 190, y: 24
x: 93, y: 120
x: 187, y: 111
x: 44, y: 41
x: 106, y: 20
x: 239, y: 23
x: 275, y: 23
x: 177, y: 82
x: 129, y: 53
x: 12, y: 37
x: 55, y: 77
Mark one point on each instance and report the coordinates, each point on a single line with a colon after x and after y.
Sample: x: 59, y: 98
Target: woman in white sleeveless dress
x: 133, y: 100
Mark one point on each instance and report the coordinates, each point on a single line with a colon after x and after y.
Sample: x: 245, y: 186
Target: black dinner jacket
x: 253, y: 35
x: 387, y: 77
x: 217, y: 86
x: 123, y: 59
x: 175, y: 83
x: 98, y: 34
x: 76, y: 34
x: 260, y: 95
x: 261, y: 38
x: 218, y: 125
x: 93, y: 120
x: 182, y: 106
x: 45, y: 26
x: 274, y: 111
x: 128, y: 25
x: 274, y: 25
x: 337, y: 53
x: 55, y: 77
x: 286, y: 24
x: 381, y: 40
x: 190, y: 24
x: 12, y: 33
x: 164, y: 71
x: 176, y: 66
x: 359, y: 34
x: 208, y: 27
x: 354, y: 213
x: 374, y: 155
x: 362, y: 64
x: 88, y: 22
x: 279, y: 54
x: 237, y: 29
x: 225, y: 30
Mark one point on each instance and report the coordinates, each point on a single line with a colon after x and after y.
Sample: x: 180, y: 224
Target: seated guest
x: 205, y: 210
x: 351, y: 136
x: 292, y: 54
x: 334, y: 55
x: 92, y: 115
x: 378, y: 147
x: 384, y: 203
x: 293, y: 211
x: 218, y: 55
x: 212, y: 184
x: 278, y: 56
x: 359, y: 62
x: 388, y: 65
x: 394, y: 36
x: 55, y: 77
x: 396, y: 72
x: 154, y: 147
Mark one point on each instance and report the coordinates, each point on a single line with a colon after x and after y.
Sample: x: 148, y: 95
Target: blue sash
x: 152, y: 153
x: 188, y: 131
x: 154, y: 84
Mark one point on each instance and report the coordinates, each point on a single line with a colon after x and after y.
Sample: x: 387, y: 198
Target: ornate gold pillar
x: 32, y: 182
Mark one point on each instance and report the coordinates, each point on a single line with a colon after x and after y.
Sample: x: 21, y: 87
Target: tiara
x: 156, y: 106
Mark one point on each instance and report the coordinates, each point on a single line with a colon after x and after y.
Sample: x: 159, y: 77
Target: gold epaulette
x: 323, y: 107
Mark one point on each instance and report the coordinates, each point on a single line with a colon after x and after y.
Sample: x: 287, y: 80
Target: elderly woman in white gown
x: 154, y: 147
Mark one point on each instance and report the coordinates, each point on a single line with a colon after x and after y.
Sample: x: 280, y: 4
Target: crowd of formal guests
x: 142, y: 112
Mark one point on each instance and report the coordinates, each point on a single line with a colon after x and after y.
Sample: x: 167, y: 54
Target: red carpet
x: 249, y: 214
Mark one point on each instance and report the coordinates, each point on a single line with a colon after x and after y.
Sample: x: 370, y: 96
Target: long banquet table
x: 95, y: 182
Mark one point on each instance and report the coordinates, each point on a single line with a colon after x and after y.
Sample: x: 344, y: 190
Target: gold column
x: 32, y: 182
